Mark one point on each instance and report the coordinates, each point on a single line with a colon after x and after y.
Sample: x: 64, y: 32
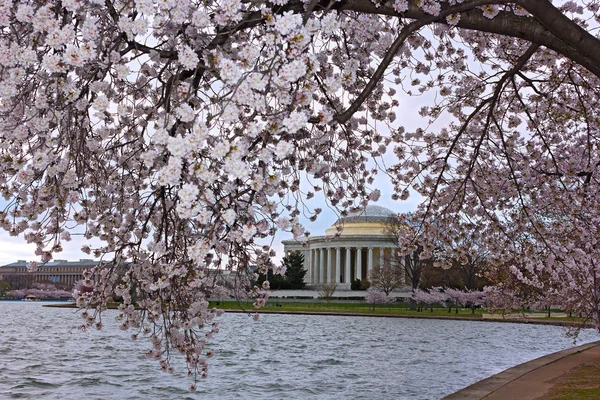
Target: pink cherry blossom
x: 179, y: 136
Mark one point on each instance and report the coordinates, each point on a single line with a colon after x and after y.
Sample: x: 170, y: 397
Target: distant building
x: 61, y: 272
x: 365, y: 243
x: 67, y: 273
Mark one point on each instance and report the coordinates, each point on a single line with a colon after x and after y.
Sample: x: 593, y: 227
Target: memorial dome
x: 370, y: 214
x: 372, y: 220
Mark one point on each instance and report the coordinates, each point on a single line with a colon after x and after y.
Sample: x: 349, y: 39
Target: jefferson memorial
x: 363, y: 244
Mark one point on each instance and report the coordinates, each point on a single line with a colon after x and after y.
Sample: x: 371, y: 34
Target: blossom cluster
x: 178, y: 137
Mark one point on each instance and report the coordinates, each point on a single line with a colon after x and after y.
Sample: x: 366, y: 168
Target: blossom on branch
x: 181, y: 135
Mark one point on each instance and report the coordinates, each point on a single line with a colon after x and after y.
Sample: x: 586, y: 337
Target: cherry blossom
x: 180, y: 134
x: 430, y: 297
x: 376, y: 296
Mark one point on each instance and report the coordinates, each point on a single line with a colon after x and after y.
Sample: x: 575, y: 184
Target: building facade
x: 364, y: 243
x: 60, y: 272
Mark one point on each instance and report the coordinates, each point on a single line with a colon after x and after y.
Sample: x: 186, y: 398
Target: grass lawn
x: 362, y: 308
x: 581, y: 383
x: 345, y: 307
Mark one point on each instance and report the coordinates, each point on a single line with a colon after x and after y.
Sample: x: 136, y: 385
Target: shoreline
x: 514, y: 320
x: 441, y: 317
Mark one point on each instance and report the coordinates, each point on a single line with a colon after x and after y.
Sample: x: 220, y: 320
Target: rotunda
x: 364, y: 243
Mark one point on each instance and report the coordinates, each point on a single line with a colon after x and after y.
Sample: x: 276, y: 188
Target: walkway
x: 531, y: 380
x: 338, y: 294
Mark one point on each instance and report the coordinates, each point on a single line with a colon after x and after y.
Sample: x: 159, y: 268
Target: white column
x: 318, y: 266
x: 315, y: 266
x: 329, y: 266
x: 359, y: 263
x: 326, y: 267
x: 347, y: 272
x: 338, y: 258
x: 370, y: 263
x: 381, y: 256
x: 307, y: 264
x: 321, y: 266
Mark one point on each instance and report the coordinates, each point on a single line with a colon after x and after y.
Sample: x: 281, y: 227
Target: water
x: 43, y: 356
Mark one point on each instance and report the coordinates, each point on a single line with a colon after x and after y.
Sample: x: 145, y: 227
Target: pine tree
x: 295, y: 271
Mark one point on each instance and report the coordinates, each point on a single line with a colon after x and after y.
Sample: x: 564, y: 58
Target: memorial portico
x: 364, y: 244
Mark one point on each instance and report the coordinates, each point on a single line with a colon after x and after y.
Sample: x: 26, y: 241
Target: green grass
x: 581, y: 383
x: 360, y: 308
x: 345, y: 307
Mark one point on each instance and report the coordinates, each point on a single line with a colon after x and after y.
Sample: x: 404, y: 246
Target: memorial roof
x: 371, y: 213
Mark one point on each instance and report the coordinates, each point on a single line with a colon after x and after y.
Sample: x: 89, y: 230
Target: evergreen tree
x: 294, y: 273
x: 276, y: 281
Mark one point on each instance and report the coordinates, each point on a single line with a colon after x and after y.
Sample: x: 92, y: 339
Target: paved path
x: 340, y: 293
x: 530, y: 380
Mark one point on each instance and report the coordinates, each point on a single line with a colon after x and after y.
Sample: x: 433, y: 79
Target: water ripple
x: 43, y: 356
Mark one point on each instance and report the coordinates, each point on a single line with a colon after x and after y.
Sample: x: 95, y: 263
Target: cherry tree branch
x: 555, y: 32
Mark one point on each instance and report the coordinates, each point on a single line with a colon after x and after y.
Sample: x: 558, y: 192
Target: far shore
x: 509, y: 318
x: 321, y: 308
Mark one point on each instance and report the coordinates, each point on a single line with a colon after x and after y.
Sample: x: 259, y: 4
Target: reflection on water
x: 44, y: 356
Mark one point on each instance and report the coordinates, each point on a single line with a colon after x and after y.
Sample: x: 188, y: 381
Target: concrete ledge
x: 528, y: 380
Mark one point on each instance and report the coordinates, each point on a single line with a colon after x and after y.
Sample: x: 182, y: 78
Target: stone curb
x: 485, y: 388
x: 449, y: 317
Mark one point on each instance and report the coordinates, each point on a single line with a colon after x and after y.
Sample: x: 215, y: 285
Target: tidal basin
x: 44, y: 356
